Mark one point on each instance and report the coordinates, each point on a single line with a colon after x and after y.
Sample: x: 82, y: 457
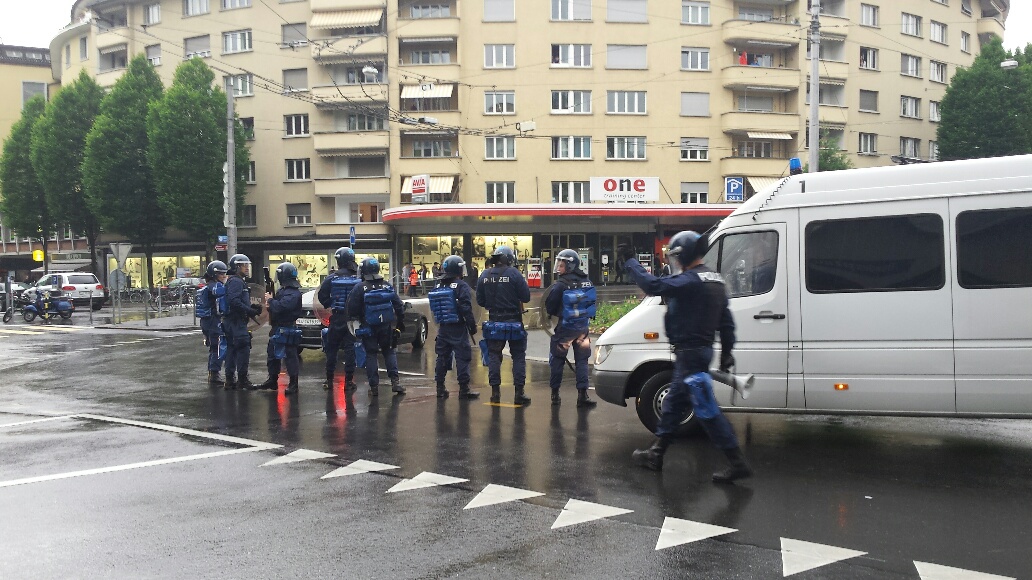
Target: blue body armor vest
x: 442, y: 305
x: 202, y: 303
x: 211, y: 300
x: 579, y: 306
x: 379, y: 309
x: 340, y: 289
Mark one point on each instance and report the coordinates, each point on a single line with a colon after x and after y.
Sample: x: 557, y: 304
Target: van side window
x: 748, y: 262
x: 877, y: 254
x: 994, y: 248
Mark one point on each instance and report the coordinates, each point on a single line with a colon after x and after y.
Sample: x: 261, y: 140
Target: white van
x: 891, y: 290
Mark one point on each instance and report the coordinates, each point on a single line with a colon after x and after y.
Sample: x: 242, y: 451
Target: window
x: 294, y: 34
x: 431, y: 148
x: 571, y: 147
x: 352, y: 74
x: 84, y: 52
x: 430, y: 57
x: 571, y: 9
x: 195, y: 7
x: 499, y: 55
x: 571, y: 102
x: 248, y: 216
x: 868, y: 15
x: 694, y: 192
x: 756, y: 149
x: 241, y: 85
x: 154, y: 54
x: 911, y: 25
x: 625, y: 102
x: 694, y: 149
x: 933, y: 151
x: 910, y: 147
x: 937, y: 72
x: 248, y: 125
x: 296, y: 125
x: 500, y: 147
x: 695, y: 105
x: 755, y: 14
x: 626, y: 11
x: 199, y: 46
x: 499, y: 102
x: 499, y: 10
x: 237, y: 41
x: 299, y: 213
x: 747, y: 262
x: 910, y: 107
x: 965, y: 42
x: 695, y: 12
x: 295, y: 79
x: 252, y: 172
x: 68, y: 55
x: 625, y: 148
x: 756, y: 103
x: 965, y: 7
x: 501, y: 191
x: 868, y: 58
x: 910, y: 65
x: 892, y: 253
x: 868, y: 144
x: 694, y: 59
x: 429, y: 11
x: 152, y: 14
x: 993, y: 248
x: 230, y: 4
x: 869, y: 101
x: 299, y: 169
x: 626, y: 57
x: 933, y: 111
x: 359, y: 122
x: 33, y: 89
x: 937, y: 32
x: 571, y: 55
x: 571, y: 192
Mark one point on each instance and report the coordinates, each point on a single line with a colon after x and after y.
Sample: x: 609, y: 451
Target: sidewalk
x: 161, y: 324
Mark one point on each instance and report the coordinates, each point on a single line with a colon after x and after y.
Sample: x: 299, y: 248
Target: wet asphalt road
x: 951, y: 493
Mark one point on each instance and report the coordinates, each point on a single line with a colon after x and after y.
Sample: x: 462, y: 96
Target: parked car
x: 416, y: 326
x: 81, y: 288
x: 180, y: 286
x: 17, y: 289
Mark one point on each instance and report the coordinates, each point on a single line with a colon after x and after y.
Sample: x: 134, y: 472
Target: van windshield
x: 747, y: 261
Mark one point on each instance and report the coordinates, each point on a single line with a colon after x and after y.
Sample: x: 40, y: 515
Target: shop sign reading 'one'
x: 625, y: 188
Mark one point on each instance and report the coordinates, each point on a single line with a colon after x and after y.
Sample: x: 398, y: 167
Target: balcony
x: 832, y: 69
x: 328, y: 5
x: 771, y: 34
x: 989, y: 26
x: 351, y: 140
x: 414, y: 28
x: 349, y: 49
x: 108, y: 78
x: 754, y: 166
x: 377, y: 229
x: 761, y: 78
x: 743, y: 122
x: 431, y: 165
x: 333, y: 186
x: 344, y: 94
x: 832, y: 115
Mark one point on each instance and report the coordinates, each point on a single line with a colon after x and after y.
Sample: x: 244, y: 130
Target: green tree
x: 985, y: 110
x: 830, y: 156
x: 22, y: 201
x: 117, y: 177
x: 187, y: 148
x: 58, y: 143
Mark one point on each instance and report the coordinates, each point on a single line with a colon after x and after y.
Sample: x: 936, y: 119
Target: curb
x: 147, y: 328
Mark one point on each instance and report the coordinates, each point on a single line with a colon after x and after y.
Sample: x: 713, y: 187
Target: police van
x: 891, y: 290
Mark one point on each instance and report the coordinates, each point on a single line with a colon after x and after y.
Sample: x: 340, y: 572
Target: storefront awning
x: 347, y: 18
x: 64, y: 266
x: 435, y: 92
x: 438, y: 184
x: 774, y: 136
x: 761, y: 183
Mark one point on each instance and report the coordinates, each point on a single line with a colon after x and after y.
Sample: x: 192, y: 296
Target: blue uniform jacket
x: 554, y: 299
x: 464, y: 300
x: 336, y: 318
x: 238, y: 300
x: 285, y: 308
x: 503, y: 291
x: 356, y: 302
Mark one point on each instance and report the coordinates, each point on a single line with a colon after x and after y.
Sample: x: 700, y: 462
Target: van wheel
x: 650, y: 401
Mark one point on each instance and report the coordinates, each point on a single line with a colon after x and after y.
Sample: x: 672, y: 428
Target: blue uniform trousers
x: 695, y: 393
x: 518, y: 350
x: 380, y: 341
x: 562, y: 339
x: 339, y: 336
x: 453, y: 339
x: 238, y: 347
x: 211, y: 328
x: 291, y: 358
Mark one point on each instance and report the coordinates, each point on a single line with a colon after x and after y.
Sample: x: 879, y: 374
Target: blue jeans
x: 695, y: 392
x: 562, y: 339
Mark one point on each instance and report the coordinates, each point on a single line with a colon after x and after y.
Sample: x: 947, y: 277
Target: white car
x: 417, y: 327
x: 81, y: 288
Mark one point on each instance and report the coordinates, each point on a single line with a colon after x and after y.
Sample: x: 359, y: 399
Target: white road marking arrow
x: 493, y: 494
x: 578, y: 512
x: 677, y: 531
x: 930, y: 571
x: 425, y: 479
x: 299, y: 455
x: 799, y: 556
x: 357, y: 467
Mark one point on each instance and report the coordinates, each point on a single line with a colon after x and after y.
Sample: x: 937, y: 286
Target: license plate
x: 85, y: 294
x: 309, y: 322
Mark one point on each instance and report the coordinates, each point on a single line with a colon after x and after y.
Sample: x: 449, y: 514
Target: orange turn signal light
x: 841, y: 386
x: 651, y: 335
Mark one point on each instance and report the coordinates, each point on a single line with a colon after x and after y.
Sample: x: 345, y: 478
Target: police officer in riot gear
x: 238, y: 310
x: 333, y: 294
x: 210, y: 305
x: 572, y: 299
x: 381, y: 314
x: 451, y: 302
x: 697, y: 307
x: 503, y: 291
x: 285, y: 336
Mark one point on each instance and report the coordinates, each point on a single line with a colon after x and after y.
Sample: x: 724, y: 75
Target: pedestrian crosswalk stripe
x: 11, y: 331
x: 930, y: 571
x: 45, y: 327
x: 299, y: 455
x: 493, y: 494
x: 799, y: 556
x: 425, y: 479
x: 357, y: 467
x: 578, y: 512
x: 677, y: 531
x: 90, y: 348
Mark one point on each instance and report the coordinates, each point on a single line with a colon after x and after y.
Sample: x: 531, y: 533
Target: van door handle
x: 769, y: 315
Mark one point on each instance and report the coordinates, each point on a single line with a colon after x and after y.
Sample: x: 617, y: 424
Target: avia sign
x: 420, y: 188
x: 625, y: 189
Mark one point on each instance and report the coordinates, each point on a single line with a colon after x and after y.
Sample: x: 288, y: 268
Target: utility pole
x: 815, y: 84
x: 229, y: 206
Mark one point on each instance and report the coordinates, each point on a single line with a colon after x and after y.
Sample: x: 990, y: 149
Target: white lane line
x: 425, y: 479
x: 579, y: 512
x: 677, y: 531
x: 799, y: 556
x: 82, y: 349
x: 36, y: 421
x: 494, y: 494
x: 359, y: 467
x: 299, y: 455
x: 128, y: 342
x: 929, y: 571
x: 9, y: 331
x: 409, y: 373
x: 180, y: 430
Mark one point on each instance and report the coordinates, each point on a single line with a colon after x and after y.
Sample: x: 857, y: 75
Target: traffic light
x: 225, y: 194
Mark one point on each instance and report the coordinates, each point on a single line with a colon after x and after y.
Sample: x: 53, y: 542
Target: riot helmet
x: 685, y: 246
x: 567, y: 257
x: 503, y: 255
x: 345, y: 257
x: 215, y: 268
x: 370, y: 269
x: 240, y: 265
x: 453, y: 267
x: 286, y: 275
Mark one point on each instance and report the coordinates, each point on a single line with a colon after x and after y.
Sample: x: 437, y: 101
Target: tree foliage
x: 830, y: 156
x: 22, y: 199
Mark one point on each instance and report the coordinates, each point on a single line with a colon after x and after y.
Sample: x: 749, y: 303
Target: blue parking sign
x: 734, y: 189
x: 352, y: 236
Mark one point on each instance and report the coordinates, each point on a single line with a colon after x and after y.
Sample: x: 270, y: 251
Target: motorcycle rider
x: 210, y: 307
x: 503, y: 291
x: 572, y: 299
x: 285, y: 336
x: 238, y: 310
x: 451, y: 302
x: 381, y: 313
x: 333, y: 294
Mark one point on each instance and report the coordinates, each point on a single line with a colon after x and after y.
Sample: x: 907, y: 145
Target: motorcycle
x: 47, y: 306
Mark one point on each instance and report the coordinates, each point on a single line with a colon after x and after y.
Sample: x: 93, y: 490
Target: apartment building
x: 499, y: 104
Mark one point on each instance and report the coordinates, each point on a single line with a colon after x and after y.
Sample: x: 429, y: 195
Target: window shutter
x: 499, y: 10
x: 695, y: 104
x: 626, y: 11
x: 626, y: 56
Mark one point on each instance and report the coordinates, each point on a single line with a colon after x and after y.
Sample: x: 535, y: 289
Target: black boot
x: 291, y: 387
x: 496, y: 395
x: 556, y: 399
x: 739, y: 468
x: 396, y: 387
x: 652, y: 458
x: 329, y: 381
x: 583, y: 400
x: 270, y: 384
x: 349, y: 384
x: 230, y: 383
x: 245, y: 384
x: 374, y: 390
x: 520, y: 398
x: 214, y: 380
x: 466, y: 393
x: 442, y: 393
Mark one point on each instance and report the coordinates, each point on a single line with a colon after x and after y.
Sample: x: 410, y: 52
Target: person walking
x: 210, y: 305
x: 697, y: 307
x: 451, y: 302
x: 436, y: 271
x: 382, y: 316
x: 619, y: 270
x: 572, y: 299
x: 503, y: 291
x: 333, y: 294
x: 285, y: 336
x: 413, y: 282
x: 238, y: 310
